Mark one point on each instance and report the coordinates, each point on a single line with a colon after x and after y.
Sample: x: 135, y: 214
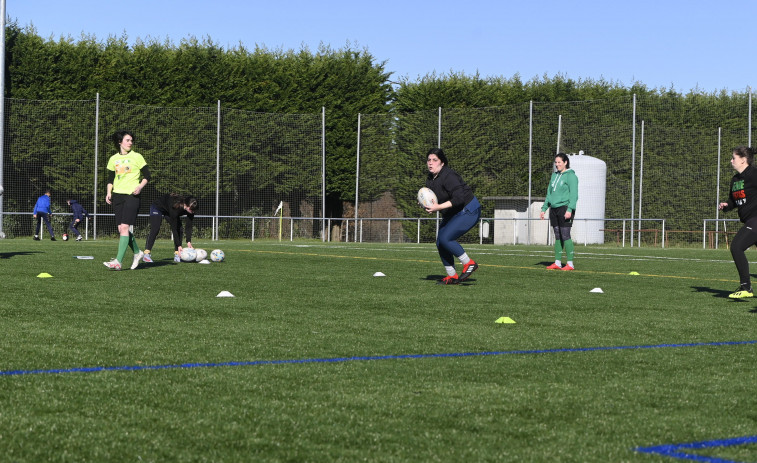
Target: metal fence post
x: 633, y: 163
x: 216, y: 220
x: 97, y: 141
x: 323, y: 172
x: 357, y: 168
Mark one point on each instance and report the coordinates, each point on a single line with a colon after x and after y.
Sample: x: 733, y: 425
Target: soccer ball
x: 426, y: 197
x: 201, y: 254
x: 65, y: 237
x: 216, y: 255
x: 188, y: 255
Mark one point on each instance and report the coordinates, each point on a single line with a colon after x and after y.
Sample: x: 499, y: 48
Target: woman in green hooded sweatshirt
x: 562, y: 196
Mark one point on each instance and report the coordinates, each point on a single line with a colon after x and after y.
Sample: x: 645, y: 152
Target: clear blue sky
x: 683, y: 44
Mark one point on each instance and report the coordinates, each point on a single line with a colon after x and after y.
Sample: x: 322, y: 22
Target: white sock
x: 464, y: 259
x: 559, y: 263
x: 570, y: 262
x: 450, y: 270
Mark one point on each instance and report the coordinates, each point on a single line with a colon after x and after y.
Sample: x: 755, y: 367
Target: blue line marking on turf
x: 364, y: 358
x: 674, y: 450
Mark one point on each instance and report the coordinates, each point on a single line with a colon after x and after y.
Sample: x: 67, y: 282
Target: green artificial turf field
x: 317, y: 359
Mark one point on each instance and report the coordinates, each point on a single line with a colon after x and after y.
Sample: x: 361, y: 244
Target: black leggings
x: 743, y: 240
x: 562, y: 233
x: 156, y: 219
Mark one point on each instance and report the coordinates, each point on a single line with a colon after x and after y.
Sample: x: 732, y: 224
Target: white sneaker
x: 113, y: 264
x: 78, y: 238
x: 137, y: 258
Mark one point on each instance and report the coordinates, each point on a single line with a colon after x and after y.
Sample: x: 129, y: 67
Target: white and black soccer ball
x: 188, y: 255
x: 201, y: 255
x: 216, y: 255
x: 65, y: 237
x: 426, y: 197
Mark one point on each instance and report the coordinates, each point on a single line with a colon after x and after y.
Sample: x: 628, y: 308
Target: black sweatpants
x: 744, y: 239
x: 156, y: 219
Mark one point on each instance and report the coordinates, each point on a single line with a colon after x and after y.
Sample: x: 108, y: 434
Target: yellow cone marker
x: 634, y: 273
x: 505, y: 320
x: 44, y: 275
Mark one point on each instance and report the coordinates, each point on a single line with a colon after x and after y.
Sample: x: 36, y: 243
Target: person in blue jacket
x: 79, y: 214
x: 42, y: 212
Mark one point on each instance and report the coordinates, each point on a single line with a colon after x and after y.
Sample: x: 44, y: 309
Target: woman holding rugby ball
x: 460, y: 212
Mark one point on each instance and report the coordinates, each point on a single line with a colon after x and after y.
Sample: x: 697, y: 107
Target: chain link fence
x: 239, y: 164
x: 666, y: 167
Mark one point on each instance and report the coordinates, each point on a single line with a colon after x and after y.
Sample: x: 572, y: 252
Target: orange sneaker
x: 468, y: 268
x: 453, y: 280
x: 554, y: 267
x: 568, y: 267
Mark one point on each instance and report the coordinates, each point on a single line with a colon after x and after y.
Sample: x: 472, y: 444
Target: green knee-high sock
x: 569, y: 249
x: 133, y: 243
x: 558, y: 249
x: 123, y: 243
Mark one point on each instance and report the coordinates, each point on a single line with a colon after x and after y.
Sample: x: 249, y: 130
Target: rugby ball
x: 216, y: 255
x: 201, y: 254
x: 188, y: 255
x: 426, y: 197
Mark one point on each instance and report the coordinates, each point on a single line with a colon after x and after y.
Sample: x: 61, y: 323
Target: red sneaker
x: 554, y: 267
x: 453, y: 280
x: 568, y: 267
x: 468, y: 268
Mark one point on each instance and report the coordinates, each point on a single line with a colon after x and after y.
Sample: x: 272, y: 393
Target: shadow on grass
x: 155, y: 264
x: 8, y: 255
x: 724, y: 295
x: 715, y: 292
x: 438, y: 278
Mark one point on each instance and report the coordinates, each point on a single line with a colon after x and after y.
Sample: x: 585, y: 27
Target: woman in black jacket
x: 171, y: 206
x: 743, y: 195
x: 460, y: 211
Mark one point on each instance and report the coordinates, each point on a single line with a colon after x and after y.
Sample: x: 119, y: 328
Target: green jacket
x: 562, y: 191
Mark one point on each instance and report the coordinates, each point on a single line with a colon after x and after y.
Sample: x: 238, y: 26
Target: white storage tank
x: 592, y: 189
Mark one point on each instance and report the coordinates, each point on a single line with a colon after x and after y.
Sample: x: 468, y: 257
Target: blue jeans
x: 453, y: 228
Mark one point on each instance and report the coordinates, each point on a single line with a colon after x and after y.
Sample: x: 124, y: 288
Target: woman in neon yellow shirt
x: 128, y: 174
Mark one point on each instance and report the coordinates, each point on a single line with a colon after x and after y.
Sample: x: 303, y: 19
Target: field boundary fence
x: 636, y: 157
x: 713, y: 232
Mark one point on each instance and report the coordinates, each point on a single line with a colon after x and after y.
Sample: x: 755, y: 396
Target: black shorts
x: 557, y: 217
x: 126, y: 208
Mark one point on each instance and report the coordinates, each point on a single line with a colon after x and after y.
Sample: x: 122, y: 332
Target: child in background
x: 79, y: 214
x: 42, y: 212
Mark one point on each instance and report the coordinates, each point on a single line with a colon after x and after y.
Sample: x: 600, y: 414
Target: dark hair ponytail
x: 118, y: 137
x: 564, y: 158
x: 439, y: 154
x: 745, y: 152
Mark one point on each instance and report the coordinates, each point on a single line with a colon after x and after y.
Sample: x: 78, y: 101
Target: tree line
x: 347, y: 82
